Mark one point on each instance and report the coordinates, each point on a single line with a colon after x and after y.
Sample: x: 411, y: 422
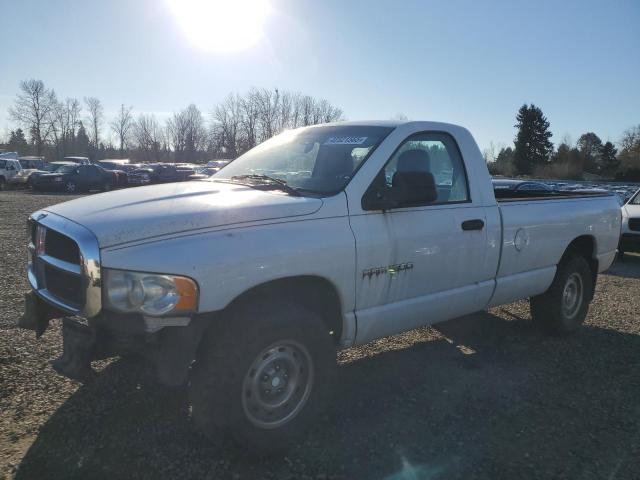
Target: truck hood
x: 146, y: 212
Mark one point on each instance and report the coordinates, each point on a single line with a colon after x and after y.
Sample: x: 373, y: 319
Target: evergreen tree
x: 590, y: 145
x: 81, y: 141
x: 18, y: 142
x: 532, y: 145
x: 608, y: 160
x: 504, y: 161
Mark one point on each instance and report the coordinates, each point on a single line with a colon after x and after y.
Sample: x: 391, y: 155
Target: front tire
x: 71, y: 187
x: 563, y: 308
x: 263, y: 376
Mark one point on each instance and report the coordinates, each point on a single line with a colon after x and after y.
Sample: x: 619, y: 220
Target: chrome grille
x: 64, y: 264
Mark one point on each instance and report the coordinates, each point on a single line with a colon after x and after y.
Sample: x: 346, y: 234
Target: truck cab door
x: 421, y: 258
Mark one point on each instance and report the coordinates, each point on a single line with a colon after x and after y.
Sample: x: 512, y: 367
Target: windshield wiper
x: 266, y: 180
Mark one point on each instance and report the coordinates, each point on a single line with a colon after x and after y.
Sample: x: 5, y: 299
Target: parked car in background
x: 32, y: 162
x: 48, y: 167
x: 80, y: 160
x: 630, y: 238
x: 217, y: 163
x: 203, y: 172
x: 75, y: 178
x: 9, y: 168
x: 520, y: 185
x: 159, y: 173
x: 13, y: 173
x: 118, y: 168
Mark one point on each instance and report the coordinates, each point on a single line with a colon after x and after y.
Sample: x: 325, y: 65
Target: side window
x: 433, y: 153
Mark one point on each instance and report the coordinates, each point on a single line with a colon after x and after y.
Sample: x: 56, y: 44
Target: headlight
x: 149, y: 293
x: 57, y: 179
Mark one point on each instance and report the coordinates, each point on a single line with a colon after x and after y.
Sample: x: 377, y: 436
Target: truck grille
x: 64, y: 285
x: 62, y: 247
x: 64, y: 268
x: 634, y: 224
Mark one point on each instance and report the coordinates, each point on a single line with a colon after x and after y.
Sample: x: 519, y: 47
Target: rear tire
x: 262, y: 375
x: 106, y: 187
x: 563, y: 308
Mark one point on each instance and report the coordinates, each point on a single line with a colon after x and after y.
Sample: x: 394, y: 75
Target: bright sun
x: 221, y: 25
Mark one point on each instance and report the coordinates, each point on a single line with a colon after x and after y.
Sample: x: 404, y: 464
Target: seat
x: 414, y: 160
x: 333, y: 163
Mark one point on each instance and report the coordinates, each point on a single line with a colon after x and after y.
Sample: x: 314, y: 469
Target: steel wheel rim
x: 277, y: 384
x: 572, y: 295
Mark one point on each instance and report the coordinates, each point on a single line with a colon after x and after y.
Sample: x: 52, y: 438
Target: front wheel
x: 563, y: 308
x: 106, y: 187
x: 263, y: 376
x: 70, y: 187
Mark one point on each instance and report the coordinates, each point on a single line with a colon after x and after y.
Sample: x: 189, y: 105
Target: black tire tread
x: 546, y: 310
x: 214, y: 383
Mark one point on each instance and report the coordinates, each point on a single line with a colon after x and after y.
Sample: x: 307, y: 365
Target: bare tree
x: 121, y: 126
x: 94, y: 119
x: 33, y: 109
x: 226, y: 127
x: 148, y: 137
x: 249, y: 111
x: 240, y: 122
x: 187, y: 134
x: 64, y: 121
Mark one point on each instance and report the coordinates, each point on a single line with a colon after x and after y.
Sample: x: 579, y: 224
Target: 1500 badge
x: 390, y: 269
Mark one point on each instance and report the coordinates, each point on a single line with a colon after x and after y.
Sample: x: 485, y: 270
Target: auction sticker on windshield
x: 345, y: 140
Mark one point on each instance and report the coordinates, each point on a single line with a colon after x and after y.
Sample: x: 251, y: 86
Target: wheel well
x: 316, y: 293
x: 584, y: 246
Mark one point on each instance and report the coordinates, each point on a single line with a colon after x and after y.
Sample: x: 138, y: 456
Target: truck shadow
x: 629, y: 267
x: 487, y: 397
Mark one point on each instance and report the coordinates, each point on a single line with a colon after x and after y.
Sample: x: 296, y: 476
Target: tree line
x: 533, y: 153
x: 54, y: 128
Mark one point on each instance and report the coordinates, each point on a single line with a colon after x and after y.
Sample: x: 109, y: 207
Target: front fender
x: 227, y: 263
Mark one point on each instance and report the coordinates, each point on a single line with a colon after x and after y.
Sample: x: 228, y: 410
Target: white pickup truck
x: 246, y: 284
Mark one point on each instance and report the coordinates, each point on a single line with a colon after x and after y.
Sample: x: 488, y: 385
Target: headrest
x: 414, y: 160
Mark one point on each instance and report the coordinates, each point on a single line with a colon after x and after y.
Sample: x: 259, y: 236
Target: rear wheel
x: 263, y: 376
x: 564, y: 306
x: 106, y: 187
x: 3, y: 184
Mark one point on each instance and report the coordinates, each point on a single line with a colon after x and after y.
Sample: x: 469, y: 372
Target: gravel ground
x: 484, y: 396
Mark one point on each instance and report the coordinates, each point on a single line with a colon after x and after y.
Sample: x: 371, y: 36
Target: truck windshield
x: 319, y: 160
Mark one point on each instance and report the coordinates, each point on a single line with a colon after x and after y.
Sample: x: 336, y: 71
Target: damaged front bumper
x: 170, y: 344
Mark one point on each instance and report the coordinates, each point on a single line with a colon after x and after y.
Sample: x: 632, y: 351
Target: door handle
x: 476, y: 224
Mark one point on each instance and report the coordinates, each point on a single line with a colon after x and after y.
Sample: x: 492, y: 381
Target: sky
x: 472, y: 63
